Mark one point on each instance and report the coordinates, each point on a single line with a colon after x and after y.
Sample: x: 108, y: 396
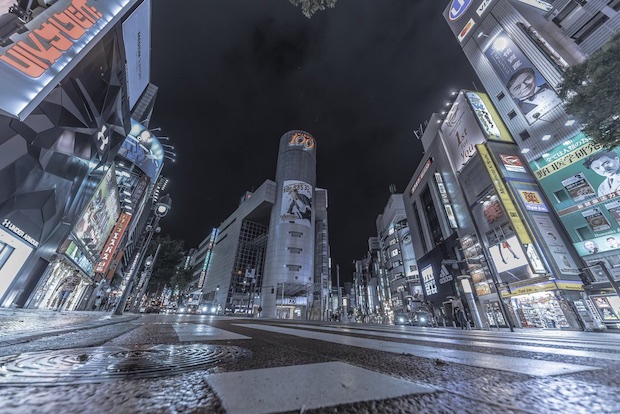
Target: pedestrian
x: 458, y: 312
x: 66, y: 288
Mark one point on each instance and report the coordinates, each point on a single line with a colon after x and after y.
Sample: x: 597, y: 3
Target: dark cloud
x: 236, y: 75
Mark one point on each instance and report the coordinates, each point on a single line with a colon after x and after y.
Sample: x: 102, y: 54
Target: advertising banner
x: 461, y: 133
x: 551, y: 238
x: 579, y: 179
x: 510, y: 261
x: 604, y: 308
x: 533, y: 201
x: 526, y: 86
x: 137, y: 41
x: 463, y: 15
x: 143, y: 149
x: 296, y: 203
x: 437, y: 281
x: 54, y: 42
x: 100, y: 214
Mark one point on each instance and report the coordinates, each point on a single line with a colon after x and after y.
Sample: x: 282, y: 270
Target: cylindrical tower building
x: 289, y: 261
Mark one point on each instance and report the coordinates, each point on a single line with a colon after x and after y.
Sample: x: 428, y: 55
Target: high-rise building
x: 272, y: 253
x: 520, y: 50
x: 74, y: 184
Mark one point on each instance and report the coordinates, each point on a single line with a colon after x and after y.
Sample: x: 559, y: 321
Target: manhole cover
x: 103, y: 364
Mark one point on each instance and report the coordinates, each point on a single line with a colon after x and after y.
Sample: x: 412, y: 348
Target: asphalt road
x: 206, y: 364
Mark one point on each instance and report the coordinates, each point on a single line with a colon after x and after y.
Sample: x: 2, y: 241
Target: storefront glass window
x: 540, y: 310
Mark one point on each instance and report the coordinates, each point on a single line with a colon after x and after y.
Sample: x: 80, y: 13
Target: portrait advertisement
x: 296, y: 203
x: 530, y: 91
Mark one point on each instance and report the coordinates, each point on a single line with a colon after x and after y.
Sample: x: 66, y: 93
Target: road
x: 90, y: 362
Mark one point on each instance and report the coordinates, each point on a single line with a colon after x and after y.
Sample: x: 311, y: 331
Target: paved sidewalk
x: 23, y: 325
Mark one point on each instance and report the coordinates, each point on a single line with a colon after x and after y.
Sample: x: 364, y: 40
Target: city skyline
x: 264, y: 69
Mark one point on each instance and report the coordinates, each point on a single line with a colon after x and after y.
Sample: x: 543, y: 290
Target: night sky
x: 235, y: 75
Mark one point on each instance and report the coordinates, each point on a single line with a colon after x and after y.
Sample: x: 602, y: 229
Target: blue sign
x: 458, y: 8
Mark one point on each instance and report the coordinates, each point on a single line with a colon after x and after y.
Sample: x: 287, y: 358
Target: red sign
x: 46, y: 44
x: 112, y: 243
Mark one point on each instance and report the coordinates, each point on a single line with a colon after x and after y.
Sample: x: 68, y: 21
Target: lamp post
x: 161, y: 209
x: 144, y: 281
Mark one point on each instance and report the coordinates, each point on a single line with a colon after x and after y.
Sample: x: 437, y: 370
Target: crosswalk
x: 536, y: 354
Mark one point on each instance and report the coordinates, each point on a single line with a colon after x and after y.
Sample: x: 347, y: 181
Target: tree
x: 591, y: 91
x: 170, y: 254
x: 309, y: 7
x: 182, y: 278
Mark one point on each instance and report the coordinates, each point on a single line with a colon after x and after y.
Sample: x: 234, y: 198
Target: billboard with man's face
x: 296, y: 203
x: 530, y: 91
x: 582, y: 181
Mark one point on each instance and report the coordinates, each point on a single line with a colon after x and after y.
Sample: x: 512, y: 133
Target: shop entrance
x: 540, y: 310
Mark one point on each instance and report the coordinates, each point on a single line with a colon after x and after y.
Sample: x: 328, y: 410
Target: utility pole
x: 338, y: 284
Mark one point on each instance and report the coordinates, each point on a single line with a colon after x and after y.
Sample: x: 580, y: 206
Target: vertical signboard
x: 137, y: 41
x: 112, y: 243
x: 504, y: 196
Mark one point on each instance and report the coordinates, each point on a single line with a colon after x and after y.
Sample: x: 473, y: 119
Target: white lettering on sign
x: 9, y: 225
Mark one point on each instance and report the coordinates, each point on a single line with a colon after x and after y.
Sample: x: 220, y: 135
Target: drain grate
x: 104, y: 364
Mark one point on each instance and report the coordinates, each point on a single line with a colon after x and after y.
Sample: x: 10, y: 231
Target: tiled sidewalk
x: 19, y: 325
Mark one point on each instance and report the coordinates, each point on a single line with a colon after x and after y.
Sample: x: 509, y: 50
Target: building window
x: 524, y: 135
x: 501, y: 96
x: 587, y: 29
x: 431, y: 216
x: 295, y: 250
x: 295, y: 233
x: 5, y: 253
x: 419, y: 224
x: 561, y: 196
x: 293, y: 268
x: 585, y: 233
x: 512, y: 114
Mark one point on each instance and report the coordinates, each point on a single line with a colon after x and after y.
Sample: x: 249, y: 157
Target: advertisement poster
x: 578, y: 178
x: 614, y: 210
x: 551, y: 238
x: 100, y: 214
x: 137, y: 41
x: 428, y: 280
x: 510, y: 261
x: 296, y: 203
x: 530, y: 91
x: 143, y: 149
x: 596, y: 220
x: 607, y: 312
x: 578, y: 187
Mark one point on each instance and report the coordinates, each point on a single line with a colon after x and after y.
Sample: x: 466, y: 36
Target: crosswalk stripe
x: 478, y: 359
x: 476, y: 343
x: 502, y: 337
x: 203, y: 332
x: 271, y: 390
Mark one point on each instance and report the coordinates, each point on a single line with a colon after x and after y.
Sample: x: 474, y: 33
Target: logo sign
x: 115, y: 237
x: 422, y: 173
x: 103, y: 139
x: 483, y: 6
x: 533, y: 201
x: 468, y: 26
x: 458, y: 8
x: 512, y: 163
x: 299, y: 139
x: 9, y: 225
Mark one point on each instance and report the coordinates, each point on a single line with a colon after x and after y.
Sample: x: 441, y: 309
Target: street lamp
x: 162, y: 207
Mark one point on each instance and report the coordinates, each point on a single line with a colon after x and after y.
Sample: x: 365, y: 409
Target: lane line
x: 477, y: 359
x: 474, y: 343
x: 200, y: 332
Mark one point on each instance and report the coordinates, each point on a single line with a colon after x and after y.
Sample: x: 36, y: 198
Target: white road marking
x: 526, y: 366
x: 479, y: 343
x: 300, y: 387
x: 200, y: 332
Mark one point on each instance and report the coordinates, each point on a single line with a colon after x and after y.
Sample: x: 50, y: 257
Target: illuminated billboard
x: 112, y: 244
x: 530, y: 91
x: 472, y: 120
x: 137, y: 41
x: 143, y: 149
x: 55, y: 41
x: 510, y: 261
x: 296, y: 203
x: 582, y: 181
x: 100, y: 214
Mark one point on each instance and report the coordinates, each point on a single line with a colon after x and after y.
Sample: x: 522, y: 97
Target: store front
x: 48, y: 292
x: 607, y: 308
x: 13, y: 255
x: 543, y: 305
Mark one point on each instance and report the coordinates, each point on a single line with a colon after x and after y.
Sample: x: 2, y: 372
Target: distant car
x: 421, y: 318
x: 402, y: 319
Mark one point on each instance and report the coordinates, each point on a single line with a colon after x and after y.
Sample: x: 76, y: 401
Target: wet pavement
x: 89, y: 362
